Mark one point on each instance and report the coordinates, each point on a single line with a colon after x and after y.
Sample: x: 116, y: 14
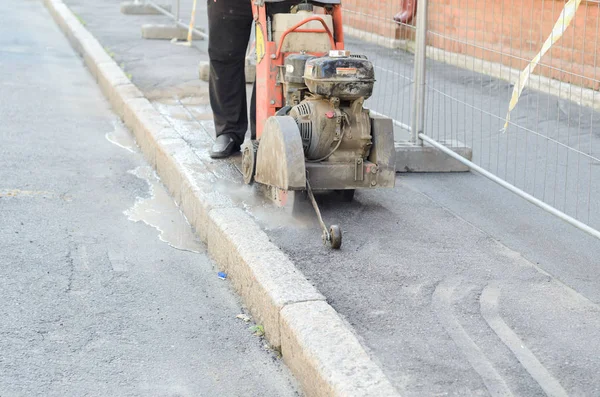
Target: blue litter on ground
x: 222, y: 275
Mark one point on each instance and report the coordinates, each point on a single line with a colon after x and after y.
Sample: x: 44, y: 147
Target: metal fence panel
x: 551, y: 147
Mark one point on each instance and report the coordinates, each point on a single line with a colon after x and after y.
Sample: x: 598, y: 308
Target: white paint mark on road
x: 442, y: 302
x: 489, y: 310
x: 161, y: 212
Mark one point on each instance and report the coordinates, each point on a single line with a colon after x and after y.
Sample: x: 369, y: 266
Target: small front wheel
x: 249, y: 161
x: 335, y: 235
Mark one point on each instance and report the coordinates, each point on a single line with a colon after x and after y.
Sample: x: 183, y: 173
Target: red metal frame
x: 301, y: 23
x: 269, y: 93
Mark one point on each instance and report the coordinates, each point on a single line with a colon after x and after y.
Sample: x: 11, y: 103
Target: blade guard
x: 280, y: 157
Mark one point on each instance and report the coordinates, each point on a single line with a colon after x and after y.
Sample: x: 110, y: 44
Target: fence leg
x: 176, y: 10
x: 418, y: 119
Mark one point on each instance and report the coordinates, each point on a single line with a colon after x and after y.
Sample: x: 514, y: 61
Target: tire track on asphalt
x: 442, y: 303
x: 489, y: 309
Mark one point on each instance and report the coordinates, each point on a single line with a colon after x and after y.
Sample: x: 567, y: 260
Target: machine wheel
x: 249, y: 161
x: 346, y: 195
x: 336, y: 236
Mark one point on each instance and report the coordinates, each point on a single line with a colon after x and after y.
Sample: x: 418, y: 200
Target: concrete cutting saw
x: 313, y: 132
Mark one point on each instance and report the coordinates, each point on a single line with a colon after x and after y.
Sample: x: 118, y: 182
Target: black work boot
x: 224, y: 147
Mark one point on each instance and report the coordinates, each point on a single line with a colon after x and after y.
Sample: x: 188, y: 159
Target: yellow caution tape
x: 563, y: 22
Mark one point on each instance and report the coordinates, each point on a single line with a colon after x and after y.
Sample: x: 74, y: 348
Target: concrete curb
x: 321, y: 351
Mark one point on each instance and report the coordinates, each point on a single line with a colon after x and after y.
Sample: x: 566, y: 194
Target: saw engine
x: 325, y: 96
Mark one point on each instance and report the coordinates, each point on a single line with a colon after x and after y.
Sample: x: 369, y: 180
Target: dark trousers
x: 229, y: 27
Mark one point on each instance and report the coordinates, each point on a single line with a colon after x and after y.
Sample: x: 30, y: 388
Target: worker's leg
x: 229, y: 23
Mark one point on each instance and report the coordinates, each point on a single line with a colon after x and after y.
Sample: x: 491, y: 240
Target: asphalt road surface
x: 454, y: 285
x: 92, y: 303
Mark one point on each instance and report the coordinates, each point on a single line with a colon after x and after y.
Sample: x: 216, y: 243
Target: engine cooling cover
x: 319, y: 125
x: 333, y: 133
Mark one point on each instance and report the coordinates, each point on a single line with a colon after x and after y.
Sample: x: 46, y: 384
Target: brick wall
x: 509, y: 32
x: 375, y: 16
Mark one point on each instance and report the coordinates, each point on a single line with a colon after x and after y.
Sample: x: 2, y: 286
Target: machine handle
x: 295, y: 29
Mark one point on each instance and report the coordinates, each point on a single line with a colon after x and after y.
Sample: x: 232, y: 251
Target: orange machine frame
x: 269, y: 58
